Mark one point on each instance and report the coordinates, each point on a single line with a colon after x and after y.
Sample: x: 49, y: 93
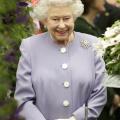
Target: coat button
x: 63, y: 50
x: 66, y: 84
x: 66, y: 103
x: 64, y: 66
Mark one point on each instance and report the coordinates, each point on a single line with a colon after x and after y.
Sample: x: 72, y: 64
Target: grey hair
x: 40, y: 10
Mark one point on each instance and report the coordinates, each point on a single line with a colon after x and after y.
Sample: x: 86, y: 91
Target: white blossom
x: 99, y: 48
x: 112, y: 35
x: 109, y: 33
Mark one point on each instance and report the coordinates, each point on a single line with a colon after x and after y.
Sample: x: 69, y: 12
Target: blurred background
x: 17, y: 24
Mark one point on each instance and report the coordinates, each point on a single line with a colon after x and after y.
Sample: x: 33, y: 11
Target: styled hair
x: 40, y: 10
x: 87, y: 5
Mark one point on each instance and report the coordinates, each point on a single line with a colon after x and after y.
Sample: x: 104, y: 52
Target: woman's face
x: 99, y: 5
x: 60, y: 23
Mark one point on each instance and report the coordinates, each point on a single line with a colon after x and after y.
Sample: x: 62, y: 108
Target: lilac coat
x: 54, y: 84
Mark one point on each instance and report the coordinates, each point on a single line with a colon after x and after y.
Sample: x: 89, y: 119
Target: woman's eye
x: 55, y: 19
x: 67, y: 18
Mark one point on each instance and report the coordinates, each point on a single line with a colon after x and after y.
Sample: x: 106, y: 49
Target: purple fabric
x: 40, y: 79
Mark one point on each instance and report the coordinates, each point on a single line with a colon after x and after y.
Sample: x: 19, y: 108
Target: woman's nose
x: 61, y: 24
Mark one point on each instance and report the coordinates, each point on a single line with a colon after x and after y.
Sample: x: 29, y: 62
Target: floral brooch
x: 85, y: 43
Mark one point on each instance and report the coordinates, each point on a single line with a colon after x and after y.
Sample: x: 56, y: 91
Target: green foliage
x: 6, y: 6
x: 3, y: 91
x: 112, y: 59
x: 118, y: 1
x: 112, y: 54
x: 8, y: 108
x: 12, y: 31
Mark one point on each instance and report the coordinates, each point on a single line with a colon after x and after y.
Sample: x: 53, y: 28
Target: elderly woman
x: 60, y: 72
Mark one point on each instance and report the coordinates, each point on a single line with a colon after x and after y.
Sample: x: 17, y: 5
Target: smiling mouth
x: 62, y: 32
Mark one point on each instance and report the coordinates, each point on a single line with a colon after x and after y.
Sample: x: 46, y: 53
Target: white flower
x: 112, y: 41
x: 111, y: 62
x: 99, y: 48
x: 113, y: 50
x: 109, y: 33
x: 112, y: 35
x: 113, y: 31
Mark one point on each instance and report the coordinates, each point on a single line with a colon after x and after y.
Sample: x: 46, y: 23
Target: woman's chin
x: 62, y: 38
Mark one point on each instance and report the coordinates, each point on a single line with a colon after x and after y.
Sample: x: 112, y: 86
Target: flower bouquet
x: 111, y: 53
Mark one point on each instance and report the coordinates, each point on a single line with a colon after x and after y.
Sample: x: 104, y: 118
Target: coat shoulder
x: 90, y: 41
x: 90, y: 38
x: 34, y: 41
x: 35, y: 38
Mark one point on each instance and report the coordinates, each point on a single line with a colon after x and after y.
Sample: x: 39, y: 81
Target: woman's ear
x: 44, y: 24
